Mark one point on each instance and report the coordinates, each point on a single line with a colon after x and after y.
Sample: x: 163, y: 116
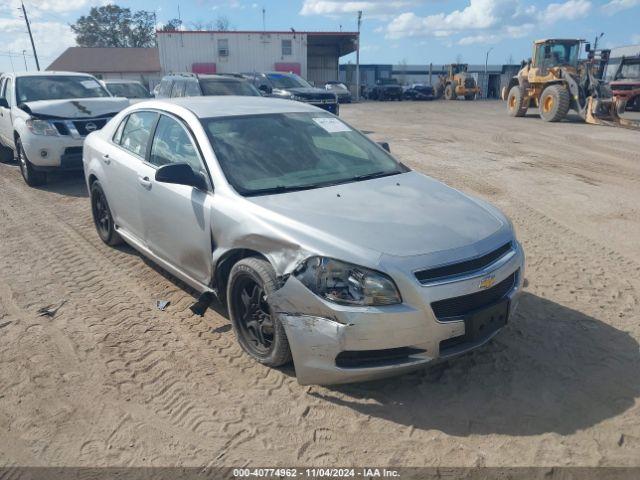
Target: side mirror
x: 265, y: 89
x: 4, y: 103
x: 587, y: 47
x: 547, y: 51
x: 181, y: 174
x: 385, y: 145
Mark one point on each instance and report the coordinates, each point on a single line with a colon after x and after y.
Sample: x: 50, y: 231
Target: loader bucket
x: 604, y: 112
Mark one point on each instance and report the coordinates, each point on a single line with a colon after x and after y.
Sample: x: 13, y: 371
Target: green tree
x: 172, y: 25
x: 114, y: 26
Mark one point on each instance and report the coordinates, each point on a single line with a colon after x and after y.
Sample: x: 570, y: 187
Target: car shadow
x: 70, y: 184
x: 553, y: 369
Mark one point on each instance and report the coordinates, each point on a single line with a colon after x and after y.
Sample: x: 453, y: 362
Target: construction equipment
x: 457, y: 83
x: 623, y: 75
x: 555, y: 80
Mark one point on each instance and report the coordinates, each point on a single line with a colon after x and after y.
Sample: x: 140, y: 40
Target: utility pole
x: 264, y: 20
x: 486, y: 79
x: 358, y: 58
x: 24, y: 56
x: 33, y: 45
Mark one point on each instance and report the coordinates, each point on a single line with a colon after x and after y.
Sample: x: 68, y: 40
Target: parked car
x: 386, y: 89
x: 341, y: 91
x: 194, y: 85
x: 45, y: 116
x: 292, y: 87
x: 130, y: 89
x: 418, y: 91
x: 325, y: 249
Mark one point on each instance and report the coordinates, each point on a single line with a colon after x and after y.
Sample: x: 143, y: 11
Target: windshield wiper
x: 278, y: 189
x: 369, y: 176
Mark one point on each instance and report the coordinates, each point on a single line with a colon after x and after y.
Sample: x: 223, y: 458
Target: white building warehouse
x: 313, y: 55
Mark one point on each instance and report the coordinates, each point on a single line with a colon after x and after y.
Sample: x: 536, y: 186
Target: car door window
x: 172, y: 144
x: 178, y: 89
x: 136, y: 132
x: 164, y: 90
x: 192, y: 88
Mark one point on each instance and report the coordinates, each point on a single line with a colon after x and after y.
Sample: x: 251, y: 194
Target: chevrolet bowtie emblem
x: 487, y: 282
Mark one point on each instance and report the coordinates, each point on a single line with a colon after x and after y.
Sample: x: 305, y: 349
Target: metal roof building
x: 313, y: 55
x: 142, y: 64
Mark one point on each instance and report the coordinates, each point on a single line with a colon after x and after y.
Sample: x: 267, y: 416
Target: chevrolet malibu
x: 326, y: 250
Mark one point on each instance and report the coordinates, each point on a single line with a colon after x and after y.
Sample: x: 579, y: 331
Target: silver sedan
x: 327, y: 251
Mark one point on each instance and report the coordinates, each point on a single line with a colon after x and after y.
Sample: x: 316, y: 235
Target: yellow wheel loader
x: 457, y: 83
x: 555, y: 81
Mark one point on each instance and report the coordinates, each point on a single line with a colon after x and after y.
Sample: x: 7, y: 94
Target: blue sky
x: 415, y: 31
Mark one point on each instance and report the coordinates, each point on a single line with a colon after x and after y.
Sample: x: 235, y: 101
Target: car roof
x: 231, y: 105
x: 121, y: 80
x: 47, y: 73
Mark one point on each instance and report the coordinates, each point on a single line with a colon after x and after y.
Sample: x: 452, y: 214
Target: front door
x: 177, y: 218
x: 6, y: 125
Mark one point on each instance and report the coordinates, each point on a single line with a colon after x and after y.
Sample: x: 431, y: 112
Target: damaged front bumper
x: 333, y: 344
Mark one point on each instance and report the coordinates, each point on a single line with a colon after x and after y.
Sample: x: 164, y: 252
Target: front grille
x: 61, y: 127
x: 459, y: 306
x: 375, y: 358
x: 469, y: 82
x: 468, y: 266
x: 81, y: 125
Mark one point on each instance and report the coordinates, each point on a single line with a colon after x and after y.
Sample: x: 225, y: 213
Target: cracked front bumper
x: 332, y: 343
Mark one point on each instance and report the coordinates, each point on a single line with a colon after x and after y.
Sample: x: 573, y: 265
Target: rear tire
x: 516, y: 103
x: 31, y: 177
x: 450, y: 92
x: 258, y: 330
x: 554, y: 103
x: 102, y: 218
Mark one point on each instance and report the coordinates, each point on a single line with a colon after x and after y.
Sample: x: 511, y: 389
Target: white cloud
x: 569, y: 10
x: 615, y: 6
x: 486, y: 21
x: 36, y: 8
x: 635, y: 38
x: 51, y: 39
x: 337, y: 7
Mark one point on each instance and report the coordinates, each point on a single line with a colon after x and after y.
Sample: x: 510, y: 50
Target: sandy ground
x: 111, y: 380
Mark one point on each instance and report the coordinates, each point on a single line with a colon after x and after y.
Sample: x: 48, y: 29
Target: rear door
x: 122, y: 166
x: 177, y: 218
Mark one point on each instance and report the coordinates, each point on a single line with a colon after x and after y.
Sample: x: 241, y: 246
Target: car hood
x: 75, y: 108
x: 399, y: 215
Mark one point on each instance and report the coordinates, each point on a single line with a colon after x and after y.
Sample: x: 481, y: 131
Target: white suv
x: 44, y: 117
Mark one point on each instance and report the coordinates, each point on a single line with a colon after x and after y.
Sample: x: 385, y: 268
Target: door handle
x: 106, y: 158
x: 145, y: 182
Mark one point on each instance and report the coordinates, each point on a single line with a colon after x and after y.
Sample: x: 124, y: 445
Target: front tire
x: 516, y: 102
x: 554, y: 103
x: 258, y: 330
x: 450, y: 92
x: 31, y: 177
x: 102, y: 218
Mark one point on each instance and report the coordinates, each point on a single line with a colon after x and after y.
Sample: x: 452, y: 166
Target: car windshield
x: 630, y: 70
x: 274, y: 153
x: 561, y: 54
x: 287, y: 80
x: 228, y: 87
x: 32, y: 89
x: 128, y: 90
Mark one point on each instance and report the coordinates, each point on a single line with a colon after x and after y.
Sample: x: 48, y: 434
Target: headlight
x: 41, y: 127
x: 347, y: 284
x: 297, y: 98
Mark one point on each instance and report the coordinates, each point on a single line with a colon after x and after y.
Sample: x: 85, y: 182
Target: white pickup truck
x: 45, y: 116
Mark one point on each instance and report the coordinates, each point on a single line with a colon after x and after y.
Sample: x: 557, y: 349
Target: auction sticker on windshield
x: 332, y: 125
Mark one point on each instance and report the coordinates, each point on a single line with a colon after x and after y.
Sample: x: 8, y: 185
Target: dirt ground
x: 111, y: 380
